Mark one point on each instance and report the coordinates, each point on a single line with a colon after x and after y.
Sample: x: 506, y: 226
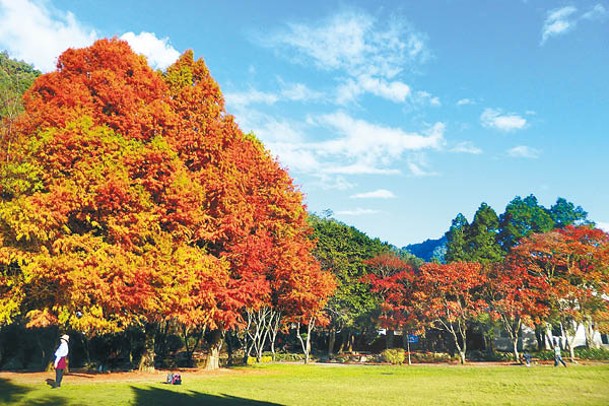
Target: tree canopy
x: 129, y: 195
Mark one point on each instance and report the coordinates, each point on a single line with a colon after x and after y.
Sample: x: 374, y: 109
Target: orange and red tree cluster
x: 560, y: 277
x: 131, y: 196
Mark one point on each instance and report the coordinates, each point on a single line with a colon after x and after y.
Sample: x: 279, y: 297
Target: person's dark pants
x: 58, y: 377
x: 557, y: 360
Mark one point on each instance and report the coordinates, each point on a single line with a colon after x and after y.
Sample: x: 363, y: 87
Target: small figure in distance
x: 527, y: 359
x: 61, y: 355
x: 558, y: 355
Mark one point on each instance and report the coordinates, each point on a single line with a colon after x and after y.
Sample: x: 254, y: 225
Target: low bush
x: 288, y: 357
x: 597, y: 354
x: 491, y: 357
x: 431, y: 357
x: 265, y: 359
x: 592, y: 354
x: 394, y: 356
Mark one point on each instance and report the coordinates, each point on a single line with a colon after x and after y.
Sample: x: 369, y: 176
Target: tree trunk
x: 215, y: 345
x: 306, y: 341
x: 461, y: 348
x: 540, y: 337
x: 331, y: 342
x: 350, y: 341
x: 515, y: 349
x: 274, y: 324
x: 389, y: 339
x: 589, y: 331
x: 570, y: 339
x: 514, y: 331
x: 548, y: 335
x: 147, y: 360
x: 229, y: 346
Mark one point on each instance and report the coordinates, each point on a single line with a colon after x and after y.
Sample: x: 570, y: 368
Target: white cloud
x: 356, y: 42
x: 356, y: 212
x: 603, y: 226
x: 466, y: 147
x: 296, y: 92
x: 522, y: 151
x: 597, y: 12
x: 332, y: 182
x: 32, y: 32
x: 565, y: 19
x: 418, y: 166
x: 158, y: 51
x: 377, y: 194
x: 465, y: 102
x: 395, y: 91
x: 557, y: 22
x: 251, y: 97
x: 426, y: 98
x: 360, y: 168
x: 299, y: 92
x: 496, y: 119
x: 348, y: 146
x: 361, y: 138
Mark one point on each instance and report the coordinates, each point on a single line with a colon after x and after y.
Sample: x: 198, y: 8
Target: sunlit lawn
x: 332, y: 385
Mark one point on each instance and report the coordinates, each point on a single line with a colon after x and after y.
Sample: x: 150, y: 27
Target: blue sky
x: 395, y: 115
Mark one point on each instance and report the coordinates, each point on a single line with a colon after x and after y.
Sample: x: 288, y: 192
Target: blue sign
x: 413, y: 339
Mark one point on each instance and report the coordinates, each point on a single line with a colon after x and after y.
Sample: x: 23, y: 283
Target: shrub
x: 265, y: 359
x: 485, y: 356
x: 546, y: 355
x: 394, y: 356
x: 288, y: 357
x: 597, y: 354
x: 431, y: 357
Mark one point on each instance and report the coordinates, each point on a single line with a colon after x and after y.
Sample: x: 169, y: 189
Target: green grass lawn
x: 283, y: 384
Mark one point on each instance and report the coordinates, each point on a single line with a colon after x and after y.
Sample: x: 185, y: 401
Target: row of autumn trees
x: 531, y: 267
x: 129, y: 197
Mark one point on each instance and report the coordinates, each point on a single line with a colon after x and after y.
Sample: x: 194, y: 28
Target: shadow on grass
x: 11, y: 394
x: 159, y: 396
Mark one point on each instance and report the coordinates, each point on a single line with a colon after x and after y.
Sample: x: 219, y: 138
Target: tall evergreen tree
x: 564, y: 213
x: 15, y: 78
x: 482, y: 245
x: 342, y: 250
x: 522, y: 217
x: 456, y: 248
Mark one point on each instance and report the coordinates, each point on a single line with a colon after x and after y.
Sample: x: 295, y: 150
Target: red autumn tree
x: 394, y: 281
x: 516, y: 297
x: 131, y: 196
x: 573, y: 265
x: 449, y: 297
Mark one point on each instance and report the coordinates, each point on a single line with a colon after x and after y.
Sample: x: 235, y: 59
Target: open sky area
x: 394, y: 114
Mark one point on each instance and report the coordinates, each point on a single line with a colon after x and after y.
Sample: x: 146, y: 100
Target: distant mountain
x: 429, y: 250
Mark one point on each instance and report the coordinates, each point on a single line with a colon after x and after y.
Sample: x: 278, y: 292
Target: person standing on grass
x: 558, y: 356
x: 61, y: 356
x: 527, y: 359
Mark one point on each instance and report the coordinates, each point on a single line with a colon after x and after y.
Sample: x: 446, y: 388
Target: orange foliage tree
x: 449, y: 297
x: 394, y: 281
x: 572, y: 269
x: 131, y: 196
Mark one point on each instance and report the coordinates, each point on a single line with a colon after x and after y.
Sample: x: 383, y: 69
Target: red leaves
x: 146, y: 201
x: 107, y: 82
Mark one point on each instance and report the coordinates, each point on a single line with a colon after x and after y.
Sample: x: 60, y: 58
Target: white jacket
x: 62, y: 351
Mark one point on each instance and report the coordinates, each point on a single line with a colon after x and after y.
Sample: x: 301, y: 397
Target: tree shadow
x: 159, y: 396
x: 11, y: 394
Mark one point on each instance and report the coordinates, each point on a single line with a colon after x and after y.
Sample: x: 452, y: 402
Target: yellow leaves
x: 41, y: 318
x: 129, y: 173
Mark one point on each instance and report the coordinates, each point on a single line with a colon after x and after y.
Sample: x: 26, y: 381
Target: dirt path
x: 76, y: 377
